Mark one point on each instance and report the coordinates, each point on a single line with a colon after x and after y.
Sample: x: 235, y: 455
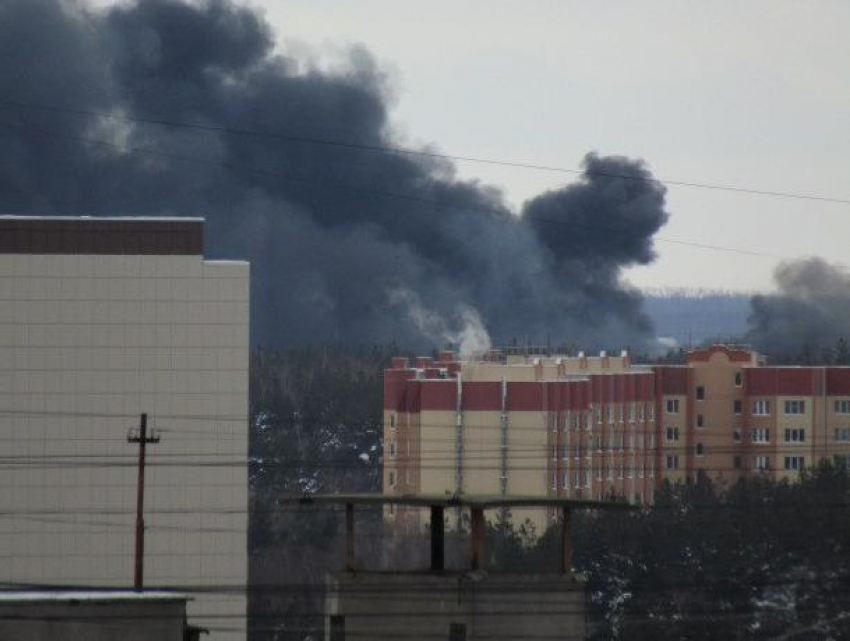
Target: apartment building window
x: 588, y: 423
x: 632, y: 413
x: 392, y: 421
x: 587, y: 479
x: 554, y: 452
x: 700, y: 420
x: 672, y: 462
x: 610, y: 413
x: 736, y: 435
x: 841, y: 461
x: 672, y: 433
x: 631, y: 468
x: 565, y: 480
x: 598, y: 412
x: 621, y: 411
x: 700, y: 449
x: 795, y: 407
x: 651, y: 473
x: 554, y: 479
x: 553, y: 423
x: 641, y: 413
x: 736, y: 406
x: 610, y: 469
x: 392, y: 449
x: 622, y: 467
x: 700, y: 393
x: 599, y: 470
x: 577, y: 479
x: 577, y: 452
x: 739, y: 379
x: 842, y: 434
x: 736, y: 462
x: 650, y: 441
x: 565, y: 452
x: 795, y: 435
x: 761, y: 408
x: 650, y: 413
x: 337, y: 631
x: 842, y: 407
x: 795, y: 463
x: 672, y: 405
x: 392, y: 478
x: 761, y: 435
x: 457, y: 632
x: 761, y: 463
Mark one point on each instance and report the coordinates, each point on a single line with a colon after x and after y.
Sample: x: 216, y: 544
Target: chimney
x: 448, y: 356
x: 399, y: 362
x: 423, y: 362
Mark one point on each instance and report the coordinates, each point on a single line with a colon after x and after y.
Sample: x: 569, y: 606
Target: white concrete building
x: 102, y: 320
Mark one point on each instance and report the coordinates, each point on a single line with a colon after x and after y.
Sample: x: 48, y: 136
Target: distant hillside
x: 692, y: 316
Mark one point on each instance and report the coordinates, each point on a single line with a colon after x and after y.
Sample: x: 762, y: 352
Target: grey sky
x: 749, y: 94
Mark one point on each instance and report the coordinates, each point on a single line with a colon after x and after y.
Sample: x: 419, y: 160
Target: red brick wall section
x: 396, y: 387
x: 782, y: 381
x: 838, y: 381
x: 440, y: 395
x: 672, y: 379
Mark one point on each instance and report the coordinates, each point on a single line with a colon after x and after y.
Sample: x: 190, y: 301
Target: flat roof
x: 149, y: 235
x: 89, y: 595
x: 484, y: 501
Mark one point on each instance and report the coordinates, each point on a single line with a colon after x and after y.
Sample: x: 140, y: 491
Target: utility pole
x: 142, y: 439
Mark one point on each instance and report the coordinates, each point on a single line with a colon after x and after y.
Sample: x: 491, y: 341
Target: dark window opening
x: 337, y: 627
x: 736, y: 406
x: 700, y: 393
x: 457, y: 632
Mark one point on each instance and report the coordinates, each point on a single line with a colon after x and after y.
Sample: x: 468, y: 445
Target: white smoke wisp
x: 468, y: 332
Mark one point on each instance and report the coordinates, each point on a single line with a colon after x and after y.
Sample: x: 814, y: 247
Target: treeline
x: 763, y: 560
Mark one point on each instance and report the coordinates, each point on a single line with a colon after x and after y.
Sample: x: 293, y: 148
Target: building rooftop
x: 89, y: 595
x: 69, y: 235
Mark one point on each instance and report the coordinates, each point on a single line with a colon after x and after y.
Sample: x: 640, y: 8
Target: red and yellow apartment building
x: 597, y: 427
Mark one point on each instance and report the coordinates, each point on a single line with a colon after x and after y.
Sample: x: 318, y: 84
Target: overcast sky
x: 753, y: 95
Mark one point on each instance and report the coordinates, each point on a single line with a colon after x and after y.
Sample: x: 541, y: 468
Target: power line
x: 237, y: 131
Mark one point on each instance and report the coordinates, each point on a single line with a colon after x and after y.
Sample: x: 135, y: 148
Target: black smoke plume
x: 347, y: 245
x: 810, y: 311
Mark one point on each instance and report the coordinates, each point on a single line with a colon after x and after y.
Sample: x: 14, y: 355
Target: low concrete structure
x: 94, y: 616
x: 457, y: 606
x: 426, y: 606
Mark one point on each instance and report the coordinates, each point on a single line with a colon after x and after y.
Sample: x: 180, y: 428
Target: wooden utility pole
x: 142, y: 439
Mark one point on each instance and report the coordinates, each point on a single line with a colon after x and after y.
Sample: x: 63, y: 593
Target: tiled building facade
x: 600, y: 427
x: 100, y: 321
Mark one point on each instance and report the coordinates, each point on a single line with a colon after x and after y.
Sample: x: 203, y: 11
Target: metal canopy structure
x: 476, y: 505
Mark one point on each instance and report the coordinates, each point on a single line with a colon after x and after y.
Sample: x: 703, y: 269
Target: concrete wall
x: 422, y: 607
x: 88, y: 343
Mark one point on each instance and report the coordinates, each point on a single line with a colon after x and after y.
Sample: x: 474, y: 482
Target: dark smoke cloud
x: 809, y: 311
x: 346, y: 245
